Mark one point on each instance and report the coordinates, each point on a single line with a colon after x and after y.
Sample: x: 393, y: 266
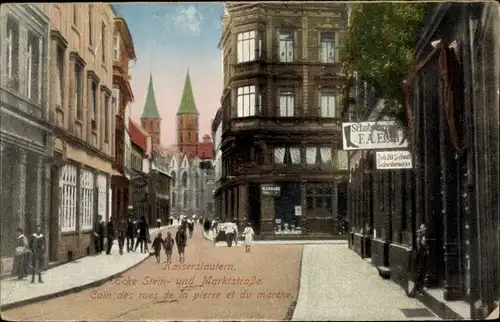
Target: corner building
x: 279, y: 159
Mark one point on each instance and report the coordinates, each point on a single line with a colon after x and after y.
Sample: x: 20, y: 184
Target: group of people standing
x: 123, y: 230
x: 230, y: 229
x: 29, y: 255
x: 181, y: 236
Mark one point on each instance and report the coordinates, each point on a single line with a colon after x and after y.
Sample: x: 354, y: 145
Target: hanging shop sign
x: 270, y: 190
x: 388, y: 160
x: 373, y: 135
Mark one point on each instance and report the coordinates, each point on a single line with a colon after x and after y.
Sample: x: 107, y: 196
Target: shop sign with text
x: 387, y: 160
x: 373, y: 135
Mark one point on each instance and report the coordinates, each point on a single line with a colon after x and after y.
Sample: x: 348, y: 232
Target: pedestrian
x: 122, y: 233
x: 99, y: 230
x: 168, y: 244
x: 171, y: 219
x: 180, y: 240
x: 157, y: 242
x: 142, y: 235
x: 158, y: 223
x: 230, y: 233
x: 21, y: 256
x: 191, y: 228
x: 248, y: 233
x: 421, y: 259
x: 131, y: 231
x: 37, y: 246
x: 110, y: 235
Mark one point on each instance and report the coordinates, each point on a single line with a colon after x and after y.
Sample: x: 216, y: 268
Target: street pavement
x: 265, y: 283
x: 70, y: 276
x: 210, y: 236
x: 337, y: 285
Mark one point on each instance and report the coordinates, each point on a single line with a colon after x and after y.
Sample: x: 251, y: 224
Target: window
x: 249, y: 46
x: 327, y: 48
x: 59, y: 74
x: 342, y: 160
x: 279, y: 155
x: 286, y: 46
x: 185, y: 199
x: 12, y: 50
x: 184, y: 179
x: 172, y: 202
x: 325, y: 154
x: 86, y: 199
x: 329, y: 104
x: 91, y: 31
x: 102, y: 187
x: 103, y: 42
x: 319, y: 197
x: 94, y: 100
x: 75, y: 15
x: 247, y: 102
x: 33, y: 66
x: 107, y: 118
x: 311, y: 155
x: 116, y: 100
x: 67, y: 206
x: 77, y: 103
x: 116, y: 47
x: 287, y: 102
x: 295, y: 155
x: 173, y: 178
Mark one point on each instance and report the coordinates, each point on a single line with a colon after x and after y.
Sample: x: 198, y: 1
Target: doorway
x: 254, y: 214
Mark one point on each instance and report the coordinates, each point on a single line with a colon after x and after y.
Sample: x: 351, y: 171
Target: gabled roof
x: 150, y: 108
x: 138, y: 136
x: 188, y: 105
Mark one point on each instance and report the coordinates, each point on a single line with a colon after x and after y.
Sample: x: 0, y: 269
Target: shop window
x: 319, y: 197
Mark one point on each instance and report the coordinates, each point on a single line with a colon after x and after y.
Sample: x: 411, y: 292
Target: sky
x: 169, y: 39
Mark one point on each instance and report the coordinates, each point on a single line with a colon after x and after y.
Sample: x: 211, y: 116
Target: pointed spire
x: 150, y: 108
x: 187, y: 106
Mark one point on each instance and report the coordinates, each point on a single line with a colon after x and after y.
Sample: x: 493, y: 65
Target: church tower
x: 150, y: 119
x: 187, y: 122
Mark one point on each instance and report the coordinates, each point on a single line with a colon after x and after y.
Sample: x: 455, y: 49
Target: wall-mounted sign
x: 298, y: 211
x: 394, y: 160
x: 373, y: 135
x: 270, y: 190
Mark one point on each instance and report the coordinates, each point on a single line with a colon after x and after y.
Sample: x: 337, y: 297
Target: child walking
x: 168, y: 244
x: 248, y: 233
x: 157, y: 242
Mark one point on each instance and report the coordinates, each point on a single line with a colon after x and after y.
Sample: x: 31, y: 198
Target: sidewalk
x: 337, y: 285
x: 89, y: 271
x: 210, y: 237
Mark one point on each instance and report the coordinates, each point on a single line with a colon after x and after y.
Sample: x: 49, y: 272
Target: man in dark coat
x: 37, y: 246
x: 122, y: 233
x: 131, y: 230
x: 110, y: 234
x: 98, y: 231
x: 180, y: 240
x: 142, y: 237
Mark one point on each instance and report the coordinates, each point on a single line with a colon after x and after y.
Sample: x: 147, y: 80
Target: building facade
x: 82, y: 117
x: 159, y: 189
x: 123, y: 53
x: 280, y: 158
x: 24, y: 131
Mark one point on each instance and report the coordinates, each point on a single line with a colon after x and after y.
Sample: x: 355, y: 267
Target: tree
x: 379, y: 46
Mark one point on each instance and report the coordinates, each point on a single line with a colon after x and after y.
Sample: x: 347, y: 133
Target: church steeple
x: 150, y: 108
x: 187, y: 105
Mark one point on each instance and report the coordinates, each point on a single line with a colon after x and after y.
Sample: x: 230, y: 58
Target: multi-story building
x: 82, y: 117
x: 281, y: 143
x: 123, y: 54
x: 23, y: 122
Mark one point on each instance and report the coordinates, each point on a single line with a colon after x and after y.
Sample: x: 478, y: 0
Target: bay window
x: 68, y: 197
x: 248, y: 101
x: 249, y: 46
x: 328, y: 48
x: 329, y: 101
x: 86, y: 199
x: 286, y: 44
x: 287, y: 102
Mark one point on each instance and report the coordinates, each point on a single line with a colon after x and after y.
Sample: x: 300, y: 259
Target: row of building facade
x: 279, y: 162
x: 69, y: 150
x: 453, y: 186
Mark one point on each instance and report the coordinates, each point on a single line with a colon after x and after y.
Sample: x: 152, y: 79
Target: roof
x: 150, y: 108
x: 138, y: 136
x: 187, y: 106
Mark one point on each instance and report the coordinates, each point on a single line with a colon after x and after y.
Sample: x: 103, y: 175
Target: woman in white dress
x: 248, y: 233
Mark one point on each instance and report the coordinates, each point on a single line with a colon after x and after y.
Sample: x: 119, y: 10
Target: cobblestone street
x: 268, y: 277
